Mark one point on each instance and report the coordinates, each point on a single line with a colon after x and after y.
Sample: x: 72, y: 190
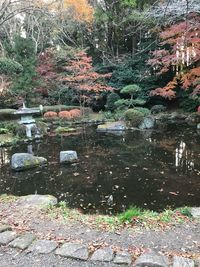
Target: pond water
x: 152, y: 170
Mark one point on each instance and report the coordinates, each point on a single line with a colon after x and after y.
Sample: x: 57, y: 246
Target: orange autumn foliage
x: 75, y: 113
x: 167, y: 91
x: 82, y: 76
x: 64, y: 115
x: 179, y: 56
x: 68, y: 115
x: 50, y: 114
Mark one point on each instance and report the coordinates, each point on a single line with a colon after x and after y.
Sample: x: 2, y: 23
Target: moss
x: 61, y: 129
x: 7, y: 140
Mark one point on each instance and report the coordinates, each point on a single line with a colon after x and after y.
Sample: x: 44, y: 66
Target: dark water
x: 148, y: 169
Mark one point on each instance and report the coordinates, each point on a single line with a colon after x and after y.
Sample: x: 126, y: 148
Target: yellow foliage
x: 80, y: 10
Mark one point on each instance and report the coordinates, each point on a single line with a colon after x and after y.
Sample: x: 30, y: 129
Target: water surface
x: 152, y: 170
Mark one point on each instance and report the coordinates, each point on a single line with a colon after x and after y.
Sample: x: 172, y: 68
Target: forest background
x: 107, y: 55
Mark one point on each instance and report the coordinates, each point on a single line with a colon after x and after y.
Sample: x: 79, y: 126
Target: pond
x: 153, y: 170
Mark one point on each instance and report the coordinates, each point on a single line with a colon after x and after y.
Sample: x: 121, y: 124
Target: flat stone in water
x: 6, y: 237
x: 122, y: 258
x: 75, y: 251
x: 39, y: 201
x: 151, y: 259
x: 4, y: 228
x: 195, y: 212
x: 111, y: 126
x: 182, y: 262
x: 103, y: 254
x: 23, y: 242
x: 43, y: 246
x: 68, y: 156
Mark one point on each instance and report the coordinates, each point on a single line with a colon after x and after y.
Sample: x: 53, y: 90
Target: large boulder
x: 68, y: 156
x: 147, y: 123
x: 24, y: 161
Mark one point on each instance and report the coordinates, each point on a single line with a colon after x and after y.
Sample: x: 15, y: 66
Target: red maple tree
x: 179, y: 54
x: 83, y: 79
x: 47, y: 70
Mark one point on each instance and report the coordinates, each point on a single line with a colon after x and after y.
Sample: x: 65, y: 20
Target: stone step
x: 7, y: 236
x: 81, y: 251
x: 72, y: 250
x: 103, y: 254
x: 182, y: 262
x: 122, y: 257
x: 151, y: 259
x: 23, y: 241
x: 43, y: 246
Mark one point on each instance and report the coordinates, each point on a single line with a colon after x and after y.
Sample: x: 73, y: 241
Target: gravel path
x: 181, y: 239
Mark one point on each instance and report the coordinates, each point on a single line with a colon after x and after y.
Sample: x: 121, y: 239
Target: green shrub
x: 14, y: 128
x: 133, y: 117
x: 132, y: 89
x: 144, y: 111
x: 118, y: 114
x: 57, y: 108
x: 3, y: 131
x: 111, y: 99
x: 108, y: 115
x: 122, y: 103
x: 9, y: 66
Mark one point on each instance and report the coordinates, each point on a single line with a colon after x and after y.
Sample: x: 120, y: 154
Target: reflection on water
x: 184, y: 158
x: 146, y: 169
x: 4, y: 157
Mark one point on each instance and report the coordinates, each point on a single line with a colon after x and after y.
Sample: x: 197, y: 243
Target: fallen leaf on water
x: 173, y: 193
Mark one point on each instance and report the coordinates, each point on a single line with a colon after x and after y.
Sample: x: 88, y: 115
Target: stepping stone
x: 43, y: 246
x: 182, y: 262
x: 4, y: 228
x: 37, y: 201
x: 122, y: 258
x: 103, y: 254
x: 75, y: 251
x: 23, y: 242
x: 151, y: 259
x: 6, y: 237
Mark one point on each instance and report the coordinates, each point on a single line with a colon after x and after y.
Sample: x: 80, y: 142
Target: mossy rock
x: 134, y: 117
